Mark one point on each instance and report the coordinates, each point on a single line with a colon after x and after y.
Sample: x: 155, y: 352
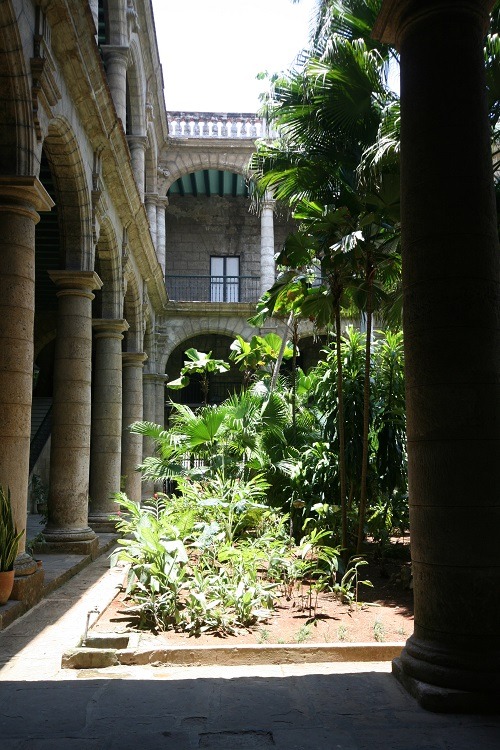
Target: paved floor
x: 311, y: 707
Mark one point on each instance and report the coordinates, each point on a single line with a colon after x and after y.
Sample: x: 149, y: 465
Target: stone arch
x: 108, y: 267
x: 16, y: 118
x: 186, y: 162
x: 72, y: 194
x: 136, y: 85
x: 181, y: 330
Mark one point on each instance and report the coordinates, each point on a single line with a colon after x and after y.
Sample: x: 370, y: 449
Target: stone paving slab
x: 325, y: 706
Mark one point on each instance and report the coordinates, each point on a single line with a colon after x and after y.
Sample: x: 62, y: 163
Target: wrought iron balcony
x: 231, y: 289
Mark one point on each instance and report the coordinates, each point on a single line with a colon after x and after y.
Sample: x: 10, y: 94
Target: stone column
x: 116, y: 63
x: 137, y: 146
x: 133, y: 364
x: 161, y: 232
x: 149, y: 394
x: 106, y: 431
x: 20, y: 199
x: 451, y: 284
x: 267, y: 266
x: 154, y: 411
x: 161, y: 379
x: 150, y: 201
x: 67, y: 528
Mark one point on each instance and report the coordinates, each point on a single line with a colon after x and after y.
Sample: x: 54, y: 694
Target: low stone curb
x: 92, y: 656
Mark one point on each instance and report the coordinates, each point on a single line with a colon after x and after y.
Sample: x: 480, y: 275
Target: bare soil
x: 383, y: 612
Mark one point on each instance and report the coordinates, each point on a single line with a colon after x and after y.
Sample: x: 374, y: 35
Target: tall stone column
x: 161, y: 232
x: 267, y: 266
x: 161, y: 379
x: 116, y: 62
x: 106, y: 431
x: 149, y: 394
x: 67, y: 528
x: 451, y: 279
x: 20, y: 199
x: 150, y: 201
x: 154, y: 411
x: 137, y: 146
x: 133, y: 364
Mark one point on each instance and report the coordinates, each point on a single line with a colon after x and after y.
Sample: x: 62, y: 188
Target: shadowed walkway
x: 297, y: 707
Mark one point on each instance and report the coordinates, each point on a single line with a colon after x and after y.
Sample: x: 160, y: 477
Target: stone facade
x: 88, y: 160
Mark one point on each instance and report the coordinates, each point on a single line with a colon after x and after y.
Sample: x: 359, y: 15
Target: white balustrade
x: 216, y: 125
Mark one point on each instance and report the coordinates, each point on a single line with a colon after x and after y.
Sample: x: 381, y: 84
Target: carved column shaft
x: 451, y: 288
x: 133, y: 364
x: 150, y: 202
x: 116, y: 62
x: 161, y: 232
x: 137, y: 147
x: 20, y: 197
x: 267, y: 266
x: 106, y: 434
x: 71, y: 410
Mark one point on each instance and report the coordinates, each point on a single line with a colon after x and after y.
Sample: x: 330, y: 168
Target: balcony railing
x: 213, y: 288
x: 239, y: 125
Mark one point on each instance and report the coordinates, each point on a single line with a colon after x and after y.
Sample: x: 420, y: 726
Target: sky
x: 212, y: 50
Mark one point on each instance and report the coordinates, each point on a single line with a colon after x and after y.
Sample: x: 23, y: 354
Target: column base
x: 69, y: 541
x: 24, y: 565
x: 444, y: 699
x: 90, y: 547
x: 101, y: 523
x: 29, y: 588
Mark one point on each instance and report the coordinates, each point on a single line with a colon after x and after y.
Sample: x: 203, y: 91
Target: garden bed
x: 384, y: 613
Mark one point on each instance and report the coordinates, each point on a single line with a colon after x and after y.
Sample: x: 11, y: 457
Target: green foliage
x: 258, y: 356
x: 199, y: 363
x: 387, y: 459
x: 9, y: 536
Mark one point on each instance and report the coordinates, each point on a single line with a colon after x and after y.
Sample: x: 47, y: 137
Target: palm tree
x: 329, y: 113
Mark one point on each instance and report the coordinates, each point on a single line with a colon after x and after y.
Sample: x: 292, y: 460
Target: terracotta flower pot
x: 6, y: 585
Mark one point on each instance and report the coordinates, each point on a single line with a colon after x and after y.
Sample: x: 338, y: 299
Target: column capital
x: 151, y: 199
x: 268, y: 203
x: 155, y: 377
x: 109, y: 327
x: 75, y: 282
x: 162, y: 201
x: 115, y: 53
x: 24, y: 190
x: 134, y: 359
x: 396, y: 17
x: 137, y: 141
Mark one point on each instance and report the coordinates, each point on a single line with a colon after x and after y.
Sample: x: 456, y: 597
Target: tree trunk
x: 341, y: 431
x: 366, y: 418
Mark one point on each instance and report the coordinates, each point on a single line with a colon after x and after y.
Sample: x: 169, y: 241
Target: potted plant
x: 9, y: 542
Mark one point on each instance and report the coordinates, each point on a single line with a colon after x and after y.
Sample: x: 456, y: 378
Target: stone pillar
x: 267, y: 266
x: 154, y: 411
x: 133, y: 364
x: 116, y: 62
x: 137, y: 146
x: 161, y: 232
x: 451, y: 286
x: 150, y: 201
x: 161, y: 379
x: 149, y: 394
x: 106, y: 431
x: 20, y: 199
x: 67, y: 528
